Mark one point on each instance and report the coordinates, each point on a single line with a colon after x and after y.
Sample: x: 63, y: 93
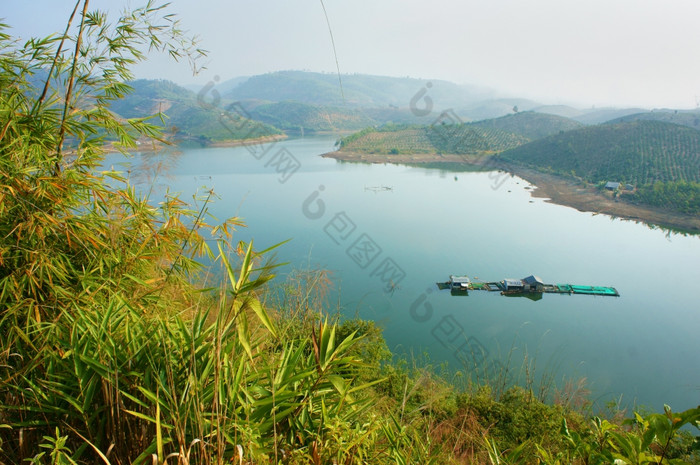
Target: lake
x: 389, y: 233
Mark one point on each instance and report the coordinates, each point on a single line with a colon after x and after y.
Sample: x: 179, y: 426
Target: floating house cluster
x: 531, y: 287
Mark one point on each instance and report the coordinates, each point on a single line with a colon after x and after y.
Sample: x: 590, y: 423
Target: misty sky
x: 588, y: 52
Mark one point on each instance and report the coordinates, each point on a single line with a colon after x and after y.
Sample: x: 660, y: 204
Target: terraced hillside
x: 482, y: 137
x: 390, y: 140
x: 638, y: 152
x: 471, y: 139
x: 661, y: 159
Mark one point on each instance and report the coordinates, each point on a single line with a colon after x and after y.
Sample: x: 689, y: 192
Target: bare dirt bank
x: 558, y: 190
x: 401, y: 158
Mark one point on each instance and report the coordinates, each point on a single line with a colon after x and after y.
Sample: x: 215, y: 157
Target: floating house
x: 510, y: 284
x: 459, y: 283
x: 612, y: 186
x: 533, y: 283
x: 531, y: 287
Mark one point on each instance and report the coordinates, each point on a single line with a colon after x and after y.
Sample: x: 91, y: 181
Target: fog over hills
x: 312, y: 102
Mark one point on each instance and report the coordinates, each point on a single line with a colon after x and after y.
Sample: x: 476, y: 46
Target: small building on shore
x: 612, y: 186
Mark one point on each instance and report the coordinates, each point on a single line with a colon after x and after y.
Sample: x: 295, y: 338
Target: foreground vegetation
x: 117, y: 347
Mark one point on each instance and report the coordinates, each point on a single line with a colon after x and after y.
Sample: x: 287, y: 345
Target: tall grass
x: 110, y: 350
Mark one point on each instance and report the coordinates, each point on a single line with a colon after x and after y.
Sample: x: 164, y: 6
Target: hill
x: 290, y: 115
x: 221, y: 87
x: 494, y: 108
x: 684, y: 118
x: 462, y: 139
x: 531, y: 125
x: 560, y: 110
x: 358, y: 90
x: 661, y: 159
x: 604, y: 115
x: 639, y: 152
x: 590, y: 115
x: 482, y: 137
x: 185, y: 117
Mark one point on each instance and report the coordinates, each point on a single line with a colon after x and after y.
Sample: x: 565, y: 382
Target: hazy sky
x: 591, y: 52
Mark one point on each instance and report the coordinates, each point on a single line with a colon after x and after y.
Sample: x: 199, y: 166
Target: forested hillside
x: 184, y: 117
x: 482, y: 137
x: 294, y: 116
x: 531, y: 125
x: 661, y: 160
x: 684, y: 118
x: 639, y: 152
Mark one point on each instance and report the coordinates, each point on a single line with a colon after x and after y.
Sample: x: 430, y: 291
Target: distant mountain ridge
x: 292, y: 116
x: 690, y: 118
x: 352, y: 90
x: 315, y: 102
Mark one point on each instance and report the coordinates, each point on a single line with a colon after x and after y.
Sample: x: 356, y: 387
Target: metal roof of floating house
x: 510, y: 283
x: 612, y: 185
x: 532, y: 279
x: 459, y: 282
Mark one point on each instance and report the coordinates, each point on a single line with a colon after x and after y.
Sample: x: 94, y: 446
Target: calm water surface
x: 642, y: 346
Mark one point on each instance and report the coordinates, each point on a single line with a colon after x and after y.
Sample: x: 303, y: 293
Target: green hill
x: 296, y: 115
x: 472, y: 139
x: 358, y: 90
x: 531, y: 125
x: 495, y: 107
x: 560, y: 110
x: 462, y: 139
x: 186, y: 118
x: 604, y: 115
x: 389, y: 139
x: 483, y: 137
x: 661, y: 159
x: 684, y: 118
x: 639, y: 152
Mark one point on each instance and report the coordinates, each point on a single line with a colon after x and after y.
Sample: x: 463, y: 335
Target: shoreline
x: 241, y: 142
x: 148, y: 146
x: 554, y: 189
